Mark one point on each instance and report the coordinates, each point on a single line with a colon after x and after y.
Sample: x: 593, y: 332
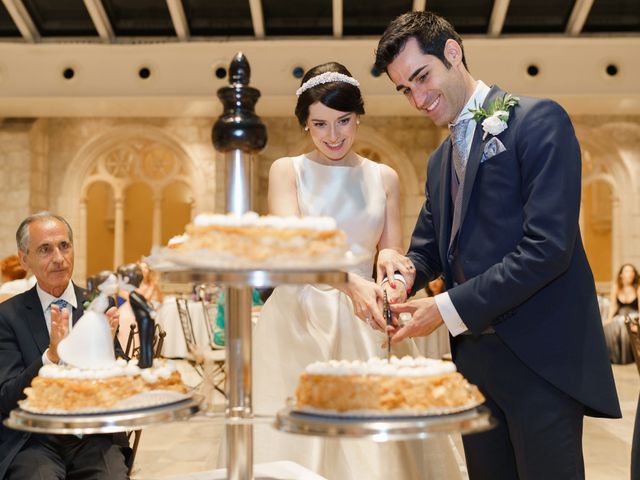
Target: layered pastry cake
x: 90, y: 379
x: 72, y: 389
x: 407, y: 385
x: 260, y: 238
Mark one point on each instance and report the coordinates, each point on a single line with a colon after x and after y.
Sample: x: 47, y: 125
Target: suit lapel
x: 475, y: 155
x: 80, y: 298
x: 35, y: 319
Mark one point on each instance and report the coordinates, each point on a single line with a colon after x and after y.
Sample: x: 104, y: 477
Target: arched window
x: 138, y: 194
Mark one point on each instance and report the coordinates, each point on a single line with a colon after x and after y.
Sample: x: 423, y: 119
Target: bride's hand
x: 391, y: 261
x: 397, y: 294
x: 367, y: 301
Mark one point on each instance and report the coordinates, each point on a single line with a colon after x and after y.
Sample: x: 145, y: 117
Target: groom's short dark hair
x: 430, y: 30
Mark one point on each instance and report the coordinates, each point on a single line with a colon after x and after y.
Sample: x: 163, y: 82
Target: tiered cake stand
x: 238, y: 301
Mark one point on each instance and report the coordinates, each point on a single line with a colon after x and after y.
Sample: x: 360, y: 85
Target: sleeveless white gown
x: 303, y: 324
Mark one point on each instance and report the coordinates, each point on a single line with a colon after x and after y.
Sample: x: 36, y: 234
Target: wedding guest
x: 31, y: 326
x: 10, y: 269
x: 303, y: 324
x: 500, y: 222
x: 15, y: 279
x: 150, y: 286
x: 623, y: 300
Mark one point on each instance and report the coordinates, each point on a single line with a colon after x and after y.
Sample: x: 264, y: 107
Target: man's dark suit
x: 23, y: 340
x: 525, y: 272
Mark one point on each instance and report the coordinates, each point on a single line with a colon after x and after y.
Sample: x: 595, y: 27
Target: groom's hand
x: 425, y: 318
x: 391, y: 261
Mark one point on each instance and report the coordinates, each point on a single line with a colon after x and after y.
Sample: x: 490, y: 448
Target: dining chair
x: 132, y: 350
x: 208, y: 363
x: 633, y: 328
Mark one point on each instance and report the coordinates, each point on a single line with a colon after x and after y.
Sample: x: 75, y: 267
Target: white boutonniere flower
x: 494, y: 118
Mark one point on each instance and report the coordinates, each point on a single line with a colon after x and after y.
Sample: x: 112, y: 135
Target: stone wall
x: 20, y: 176
x: 44, y: 163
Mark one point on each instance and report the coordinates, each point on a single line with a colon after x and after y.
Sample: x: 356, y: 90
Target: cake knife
x: 386, y: 312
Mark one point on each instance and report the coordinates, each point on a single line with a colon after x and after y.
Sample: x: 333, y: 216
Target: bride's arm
x: 366, y: 295
x: 282, y: 194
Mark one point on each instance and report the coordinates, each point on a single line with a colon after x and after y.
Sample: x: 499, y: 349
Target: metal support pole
x: 238, y: 170
x: 238, y: 338
x: 239, y: 133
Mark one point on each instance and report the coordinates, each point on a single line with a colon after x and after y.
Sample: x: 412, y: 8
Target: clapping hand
x: 59, y: 330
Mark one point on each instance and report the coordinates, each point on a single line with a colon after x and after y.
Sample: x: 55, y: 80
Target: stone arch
x: 119, y: 157
x: 604, y: 160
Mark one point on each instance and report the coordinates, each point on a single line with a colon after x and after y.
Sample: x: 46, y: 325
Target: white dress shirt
x: 69, y: 295
x: 449, y: 314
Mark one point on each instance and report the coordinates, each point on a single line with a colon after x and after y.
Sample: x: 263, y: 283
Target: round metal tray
x: 387, y: 428
x: 254, y: 278
x: 103, y: 422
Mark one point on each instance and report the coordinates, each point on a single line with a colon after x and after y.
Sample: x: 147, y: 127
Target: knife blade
x: 386, y: 312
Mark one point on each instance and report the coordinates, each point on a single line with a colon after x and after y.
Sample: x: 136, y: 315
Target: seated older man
x: 31, y: 326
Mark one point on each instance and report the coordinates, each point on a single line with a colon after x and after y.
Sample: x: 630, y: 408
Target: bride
x: 303, y: 324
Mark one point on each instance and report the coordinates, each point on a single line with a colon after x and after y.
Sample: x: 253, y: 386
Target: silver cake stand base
x: 102, y: 422
x: 384, y: 429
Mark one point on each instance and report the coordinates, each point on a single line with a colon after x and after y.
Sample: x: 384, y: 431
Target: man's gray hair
x: 22, y: 234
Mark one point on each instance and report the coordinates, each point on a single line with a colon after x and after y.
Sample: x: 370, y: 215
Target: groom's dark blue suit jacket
x: 520, y: 248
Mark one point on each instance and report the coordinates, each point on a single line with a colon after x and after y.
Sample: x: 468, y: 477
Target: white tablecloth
x: 174, y: 343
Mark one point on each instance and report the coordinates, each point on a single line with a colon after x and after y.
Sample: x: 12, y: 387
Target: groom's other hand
x: 391, y: 261
x: 425, y: 318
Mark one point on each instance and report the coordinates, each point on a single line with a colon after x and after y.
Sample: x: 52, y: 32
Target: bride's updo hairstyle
x: 341, y: 95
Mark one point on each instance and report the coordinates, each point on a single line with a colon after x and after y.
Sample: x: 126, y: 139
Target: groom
x: 500, y: 222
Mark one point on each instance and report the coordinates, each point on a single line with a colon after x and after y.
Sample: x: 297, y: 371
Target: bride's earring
x: 357, y: 122
x: 306, y: 129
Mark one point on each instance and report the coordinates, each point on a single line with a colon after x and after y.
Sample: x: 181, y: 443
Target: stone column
x: 156, y: 235
x: 118, y: 248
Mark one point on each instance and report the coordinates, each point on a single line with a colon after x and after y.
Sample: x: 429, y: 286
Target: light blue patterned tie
x: 458, y: 143
x: 60, y: 302
x: 458, y: 152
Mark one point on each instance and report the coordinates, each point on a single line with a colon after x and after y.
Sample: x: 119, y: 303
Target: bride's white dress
x: 303, y: 324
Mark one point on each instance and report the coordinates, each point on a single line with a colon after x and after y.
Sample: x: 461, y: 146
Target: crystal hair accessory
x: 326, y: 77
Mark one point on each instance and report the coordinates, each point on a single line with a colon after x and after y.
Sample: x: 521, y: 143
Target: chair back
x: 186, y: 323
x: 202, y: 296
x: 633, y: 328
x: 209, y: 297
x: 132, y: 349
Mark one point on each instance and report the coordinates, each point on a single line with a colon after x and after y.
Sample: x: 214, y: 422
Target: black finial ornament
x: 239, y: 128
x: 145, y: 315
